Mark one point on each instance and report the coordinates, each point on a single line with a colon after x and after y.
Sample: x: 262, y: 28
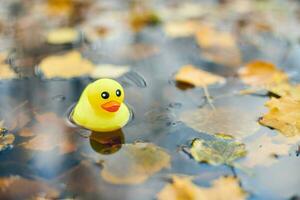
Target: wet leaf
x: 182, y: 188
x: 139, y: 162
x: 69, y: 65
x: 48, y: 133
x: 62, y: 36
x: 5, y: 71
x: 197, y: 77
x: 109, y: 71
x: 220, y: 150
x: 16, y: 187
x: 261, y: 151
x: 283, y: 115
x: 58, y: 7
x: 286, y: 90
x: 229, y: 120
x: 217, y: 46
x: 261, y: 73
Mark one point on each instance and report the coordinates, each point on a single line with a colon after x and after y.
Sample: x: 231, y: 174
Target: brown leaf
x: 283, y: 115
x: 49, y: 133
x: 261, y: 73
x: 139, y: 162
x: 16, y: 187
x: 68, y: 65
x: 224, y: 188
x: 197, y: 77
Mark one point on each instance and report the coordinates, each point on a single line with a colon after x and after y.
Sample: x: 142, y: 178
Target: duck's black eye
x: 105, y: 95
x: 118, y: 92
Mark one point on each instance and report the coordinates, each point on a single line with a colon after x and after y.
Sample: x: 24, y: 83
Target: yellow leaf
x: 224, y: 188
x: 68, y: 65
x: 62, y: 36
x: 261, y: 73
x: 286, y: 89
x: 139, y: 161
x: 283, y: 115
x: 55, y: 7
x: 197, y: 77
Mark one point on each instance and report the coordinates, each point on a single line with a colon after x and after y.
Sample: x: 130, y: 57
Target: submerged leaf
x: 283, y: 115
x: 228, y: 120
x: 49, y: 133
x: 195, y: 76
x: 16, y: 187
x: 68, y: 65
x: 261, y: 73
x: 139, y: 162
x: 182, y: 188
x: 220, y: 150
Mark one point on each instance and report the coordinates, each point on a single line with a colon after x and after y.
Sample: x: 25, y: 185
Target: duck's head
x: 105, y: 95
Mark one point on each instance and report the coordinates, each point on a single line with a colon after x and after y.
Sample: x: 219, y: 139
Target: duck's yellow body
x: 101, y: 108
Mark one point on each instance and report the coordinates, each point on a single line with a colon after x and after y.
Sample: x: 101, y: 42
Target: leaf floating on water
x: 286, y: 89
x: 261, y: 74
x: 69, y: 65
x: 217, y: 46
x: 16, y: 187
x: 228, y: 120
x: 283, y: 115
x: 62, y: 36
x: 220, y: 150
x: 197, y: 77
x: 182, y: 188
x: 134, y: 163
x: 109, y: 71
x: 49, y: 133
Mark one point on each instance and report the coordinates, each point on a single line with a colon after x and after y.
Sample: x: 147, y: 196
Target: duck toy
x: 101, y: 108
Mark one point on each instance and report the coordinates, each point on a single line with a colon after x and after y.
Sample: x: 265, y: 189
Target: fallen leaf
x: 197, y: 77
x: 58, y: 7
x: 68, y: 65
x: 286, y: 90
x: 139, y: 162
x: 62, y: 36
x: 181, y: 28
x: 283, y: 115
x: 109, y: 71
x: 217, y: 46
x: 182, y: 188
x: 261, y: 151
x: 218, y: 151
x: 5, y: 71
x: 16, y: 187
x: 261, y: 73
x: 48, y: 133
x: 227, y: 120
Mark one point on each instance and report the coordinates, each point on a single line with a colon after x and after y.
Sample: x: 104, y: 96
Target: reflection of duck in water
x: 101, y: 108
x: 107, y: 143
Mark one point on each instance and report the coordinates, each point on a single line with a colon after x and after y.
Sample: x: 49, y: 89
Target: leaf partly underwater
x: 220, y: 150
x: 134, y: 163
x: 182, y: 188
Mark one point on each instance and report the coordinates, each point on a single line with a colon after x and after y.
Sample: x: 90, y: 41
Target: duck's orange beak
x: 111, y: 106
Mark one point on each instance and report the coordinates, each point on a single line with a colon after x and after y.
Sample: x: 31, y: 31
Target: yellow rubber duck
x: 101, y: 108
